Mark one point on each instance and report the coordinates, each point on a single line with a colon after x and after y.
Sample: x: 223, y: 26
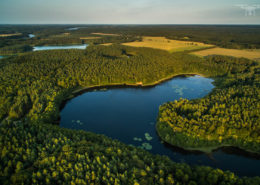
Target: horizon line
x: 258, y: 24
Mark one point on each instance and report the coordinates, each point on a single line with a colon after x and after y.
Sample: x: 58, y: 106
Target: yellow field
x: 61, y: 35
x: 10, y: 34
x: 89, y: 38
x: 167, y: 44
x: 106, y: 44
x: 105, y: 34
x: 250, y: 54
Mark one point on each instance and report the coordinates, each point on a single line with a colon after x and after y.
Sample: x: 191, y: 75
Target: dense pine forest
x: 33, y: 85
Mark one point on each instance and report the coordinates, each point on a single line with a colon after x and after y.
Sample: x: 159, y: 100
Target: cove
x: 39, y: 48
x: 129, y: 114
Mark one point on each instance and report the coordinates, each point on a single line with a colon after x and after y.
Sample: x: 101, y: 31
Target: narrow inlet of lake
x: 129, y: 115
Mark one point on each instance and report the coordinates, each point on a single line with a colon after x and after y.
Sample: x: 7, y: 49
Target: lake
x: 72, y: 29
x: 39, y: 48
x: 31, y: 36
x: 1, y: 56
x: 129, y: 115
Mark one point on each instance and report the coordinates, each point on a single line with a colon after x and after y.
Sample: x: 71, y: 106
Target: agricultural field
x: 105, y: 34
x: 106, y: 44
x: 10, y: 34
x: 168, y: 44
x: 253, y: 54
x: 89, y: 38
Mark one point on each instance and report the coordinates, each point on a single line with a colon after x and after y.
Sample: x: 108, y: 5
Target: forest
x: 33, y: 85
x: 229, y: 116
x: 35, y: 153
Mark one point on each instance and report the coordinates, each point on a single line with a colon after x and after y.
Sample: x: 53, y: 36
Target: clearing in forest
x: 250, y: 54
x: 89, y: 38
x: 105, y: 34
x: 168, y: 44
x: 106, y: 44
x: 10, y: 34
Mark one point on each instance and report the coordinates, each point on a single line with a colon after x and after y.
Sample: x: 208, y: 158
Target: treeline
x: 41, y: 41
x: 9, y: 50
x: 115, y: 39
x: 238, y: 37
x: 228, y: 116
x: 75, y: 39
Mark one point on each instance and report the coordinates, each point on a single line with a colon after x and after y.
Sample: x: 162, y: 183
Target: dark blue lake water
x: 129, y: 115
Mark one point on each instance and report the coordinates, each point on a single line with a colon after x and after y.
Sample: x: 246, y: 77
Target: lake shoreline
x: 207, y: 149
x: 138, y: 84
x: 80, y: 90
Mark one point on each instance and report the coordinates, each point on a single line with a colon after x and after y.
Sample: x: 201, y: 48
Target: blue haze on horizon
x: 126, y: 12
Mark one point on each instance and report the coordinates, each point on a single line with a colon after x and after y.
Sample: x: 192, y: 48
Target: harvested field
x: 10, y: 34
x: 250, y: 54
x: 105, y: 34
x: 106, y: 44
x: 167, y: 44
x: 89, y: 38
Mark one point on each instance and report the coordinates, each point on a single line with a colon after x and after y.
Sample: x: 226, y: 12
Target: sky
x: 127, y: 12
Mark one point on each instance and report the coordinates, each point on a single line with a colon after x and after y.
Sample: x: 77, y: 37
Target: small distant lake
x: 129, y: 115
x: 1, y: 57
x: 71, y: 29
x: 39, y: 48
x: 31, y: 36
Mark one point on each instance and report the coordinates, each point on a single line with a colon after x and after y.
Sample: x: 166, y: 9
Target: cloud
x: 124, y: 12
